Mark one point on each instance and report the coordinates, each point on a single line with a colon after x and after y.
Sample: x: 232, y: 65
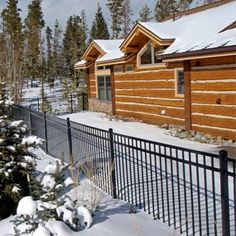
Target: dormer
x: 147, y: 44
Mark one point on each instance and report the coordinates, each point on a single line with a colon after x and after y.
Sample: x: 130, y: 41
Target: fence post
x: 70, y: 141
x: 30, y: 121
x: 38, y: 104
x: 113, y: 176
x: 83, y: 101
x: 71, y: 103
x: 45, y: 131
x: 224, y: 192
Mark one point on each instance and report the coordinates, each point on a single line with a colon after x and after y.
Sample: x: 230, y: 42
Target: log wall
x: 145, y: 95
x: 214, y: 101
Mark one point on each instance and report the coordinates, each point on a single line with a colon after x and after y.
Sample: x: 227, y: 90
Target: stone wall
x: 100, y: 106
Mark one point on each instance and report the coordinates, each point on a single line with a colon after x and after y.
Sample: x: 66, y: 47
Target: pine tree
x: 73, y: 44
x: 57, y: 67
x: 15, y: 165
x: 145, y: 14
x: 165, y: 8
x: 34, y: 24
x: 13, y: 47
x: 116, y: 14
x: 99, y: 28
x: 49, y: 62
x: 127, y: 13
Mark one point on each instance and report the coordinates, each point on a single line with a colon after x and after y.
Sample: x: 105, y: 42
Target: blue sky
x: 61, y: 9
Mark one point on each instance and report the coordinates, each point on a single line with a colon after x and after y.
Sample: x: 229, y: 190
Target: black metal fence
x: 56, y: 104
x: 195, y: 192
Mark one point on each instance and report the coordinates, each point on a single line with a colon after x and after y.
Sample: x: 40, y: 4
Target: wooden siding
x: 92, y: 83
x: 145, y: 95
x: 214, y: 101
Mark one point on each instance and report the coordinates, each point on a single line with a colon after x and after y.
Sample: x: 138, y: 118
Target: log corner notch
x: 187, y: 95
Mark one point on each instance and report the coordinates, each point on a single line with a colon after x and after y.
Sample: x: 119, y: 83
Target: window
x: 129, y: 67
x: 104, y: 88
x: 180, y: 82
x: 151, y: 55
x: 147, y: 56
x: 103, y: 67
x: 118, y: 68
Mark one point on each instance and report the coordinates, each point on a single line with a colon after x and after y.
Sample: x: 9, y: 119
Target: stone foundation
x: 100, y: 106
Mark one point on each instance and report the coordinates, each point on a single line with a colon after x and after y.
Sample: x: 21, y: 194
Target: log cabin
x: 180, y: 71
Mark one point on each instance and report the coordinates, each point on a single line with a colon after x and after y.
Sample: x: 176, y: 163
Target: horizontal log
x: 150, y: 75
x: 147, y: 93
x: 163, y: 102
x: 216, y: 110
x: 214, y: 74
x: 136, y: 84
x: 173, y: 112
x: 216, y: 132
x: 226, y: 99
x: 213, y: 121
x: 220, y: 86
x: 151, y: 119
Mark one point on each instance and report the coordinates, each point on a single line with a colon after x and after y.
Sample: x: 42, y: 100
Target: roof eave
x: 203, y: 53
x: 146, y: 32
x: 92, y: 44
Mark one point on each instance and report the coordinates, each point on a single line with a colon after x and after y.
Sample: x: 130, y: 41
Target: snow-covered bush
x: 16, y: 166
x: 53, y: 204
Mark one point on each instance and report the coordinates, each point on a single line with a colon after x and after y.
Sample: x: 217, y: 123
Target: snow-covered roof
x: 111, y: 48
x: 80, y: 63
x: 189, y: 31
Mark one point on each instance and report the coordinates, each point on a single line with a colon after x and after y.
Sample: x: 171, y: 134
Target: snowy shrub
x: 53, y: 204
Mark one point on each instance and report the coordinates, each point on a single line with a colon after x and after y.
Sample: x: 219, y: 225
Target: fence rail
x: 193, y: 191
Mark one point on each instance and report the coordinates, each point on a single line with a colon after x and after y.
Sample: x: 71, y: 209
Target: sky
x: 62, y: 9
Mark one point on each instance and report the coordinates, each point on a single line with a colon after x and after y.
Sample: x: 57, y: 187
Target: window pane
x: 118, y: 68
x: 180, y: 82
x: 101, y: 88
x: 157, y: 52
x: 130, y: 67
x: 146, y: 57
x: 104, y: 88
x: 108, y: 88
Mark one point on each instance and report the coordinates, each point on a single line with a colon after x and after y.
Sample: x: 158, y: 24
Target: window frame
x: 153, y: 64
x: 105, y: 88
x: 177, y: 83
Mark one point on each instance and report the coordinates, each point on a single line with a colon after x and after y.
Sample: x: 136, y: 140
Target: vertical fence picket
x: 45, y: 131
x: 71, y: 158
x: 224, y: 193
x: 113, y: 173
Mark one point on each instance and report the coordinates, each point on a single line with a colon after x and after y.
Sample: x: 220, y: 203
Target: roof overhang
x: 93, y: 52
x: 139, y: 36
x: 117, y: 61
x: 199, y: 54
x: 82, y: 65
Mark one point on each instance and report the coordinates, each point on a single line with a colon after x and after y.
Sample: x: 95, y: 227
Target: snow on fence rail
x: 195, y: 192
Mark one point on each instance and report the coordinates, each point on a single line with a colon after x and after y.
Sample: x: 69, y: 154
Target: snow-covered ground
x: 140, y: 130
x: 112, y: 217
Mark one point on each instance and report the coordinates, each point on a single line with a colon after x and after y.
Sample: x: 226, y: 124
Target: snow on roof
x: 189, y: 30
x: 108, y: 45
x: 80, y: 63
x: 112, y: 55
x: 111, y: 47
x: 224, y: 39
